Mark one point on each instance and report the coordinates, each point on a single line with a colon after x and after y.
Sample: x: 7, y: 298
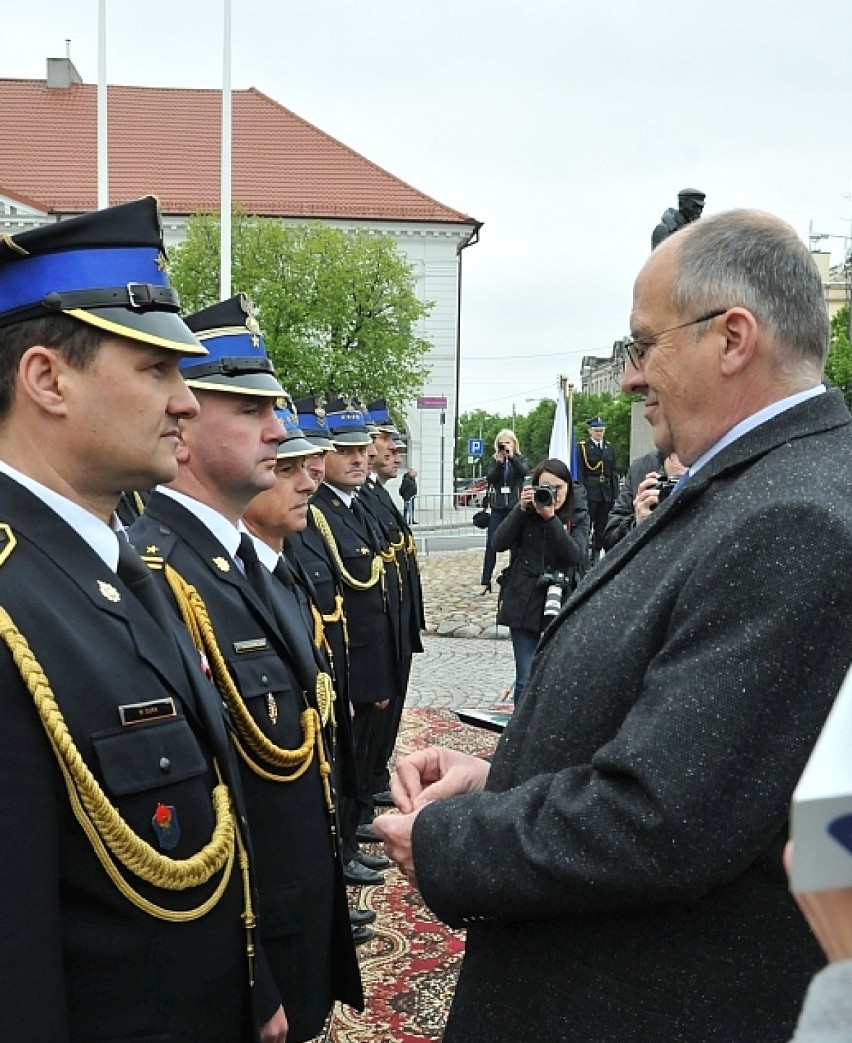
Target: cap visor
x: 261, y: 384
x: 162, y: 329
x: 296, y: 447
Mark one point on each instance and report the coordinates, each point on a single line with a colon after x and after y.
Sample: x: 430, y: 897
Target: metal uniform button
x: 165, y: 765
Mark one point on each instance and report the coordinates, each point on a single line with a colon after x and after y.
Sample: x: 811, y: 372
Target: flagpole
x: 225, y: 202
x: 103, y: 162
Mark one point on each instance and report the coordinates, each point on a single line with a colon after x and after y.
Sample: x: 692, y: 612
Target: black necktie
x: 254, y: 570
x: 138, y: 580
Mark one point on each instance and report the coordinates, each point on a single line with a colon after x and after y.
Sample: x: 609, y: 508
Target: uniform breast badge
x: 166, y: 826
x: 272, y: 708
x: 108, y: 591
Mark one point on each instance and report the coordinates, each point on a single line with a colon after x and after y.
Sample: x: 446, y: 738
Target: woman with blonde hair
x: 505, y: 480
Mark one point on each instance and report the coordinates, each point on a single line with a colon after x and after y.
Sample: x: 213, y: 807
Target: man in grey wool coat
x: 618, y: 865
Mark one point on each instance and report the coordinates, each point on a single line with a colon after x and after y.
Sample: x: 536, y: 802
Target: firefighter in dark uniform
x: 385, y: 466
x: 370, y: 591
x: 596, y: 458
x: 262, y: 659
x: 124, y: 888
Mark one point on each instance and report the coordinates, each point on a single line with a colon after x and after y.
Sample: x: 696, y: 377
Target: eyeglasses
x: 638, y: 348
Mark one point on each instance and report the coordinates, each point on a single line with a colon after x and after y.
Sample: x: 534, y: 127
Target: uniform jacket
x: 401, y: 541
x: 78, y: 961
x: 625, y: 860
x: 538, y: 547
x: 372, y: 615
x: 303, y: 917
x: 597, y: 470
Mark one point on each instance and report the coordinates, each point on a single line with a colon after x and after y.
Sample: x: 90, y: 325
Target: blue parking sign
x: 474, y: 447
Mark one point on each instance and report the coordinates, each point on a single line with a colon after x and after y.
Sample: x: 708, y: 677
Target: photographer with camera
x: 505, y: 480
x: 547, y: 534
x: 650, y: 479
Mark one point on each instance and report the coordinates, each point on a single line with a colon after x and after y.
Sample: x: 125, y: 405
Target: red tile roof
x: 166, y: 142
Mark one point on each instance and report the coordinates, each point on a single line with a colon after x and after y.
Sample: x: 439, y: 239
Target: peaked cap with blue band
x: 295, y: 444
x: 348, y: 425
x: 596, y: 421
x: 313, y: 421
x: 381, y: 418
x: 106, y: 269
x: 237, y: 361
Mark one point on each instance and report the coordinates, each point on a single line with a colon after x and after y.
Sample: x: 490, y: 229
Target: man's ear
x: 741, y: 340
x: 42, y: 378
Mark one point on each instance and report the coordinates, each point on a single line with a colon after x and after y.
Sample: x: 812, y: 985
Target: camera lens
x: 543, y: 495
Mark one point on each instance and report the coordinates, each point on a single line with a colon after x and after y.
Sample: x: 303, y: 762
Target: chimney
x: 61, y: 72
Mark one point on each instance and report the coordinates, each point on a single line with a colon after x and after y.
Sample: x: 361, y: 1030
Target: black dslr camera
x: 544, y: 494
x: 664, y: 487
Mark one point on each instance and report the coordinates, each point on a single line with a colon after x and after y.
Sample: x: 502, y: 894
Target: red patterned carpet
x: 410, y: 967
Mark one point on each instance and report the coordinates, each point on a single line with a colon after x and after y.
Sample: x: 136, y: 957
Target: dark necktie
x: 255, y: 572
x: 289, y: 578
x: 138, y: 580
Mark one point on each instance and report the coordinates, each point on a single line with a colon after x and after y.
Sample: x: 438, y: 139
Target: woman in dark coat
x: 505, y: 480
x: 547, y: 534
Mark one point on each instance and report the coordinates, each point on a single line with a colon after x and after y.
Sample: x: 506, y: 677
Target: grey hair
x: 753, y: 260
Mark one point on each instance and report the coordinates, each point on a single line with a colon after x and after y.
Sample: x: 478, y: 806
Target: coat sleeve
x: 509, y: 530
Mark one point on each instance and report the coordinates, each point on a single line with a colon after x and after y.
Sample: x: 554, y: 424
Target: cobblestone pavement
x: 456, y: 671
x: 450, y: 594
x: 467, y: 660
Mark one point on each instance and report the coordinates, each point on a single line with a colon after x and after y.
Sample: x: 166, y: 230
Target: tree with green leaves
x: 838, y: 367
x: 338, y: 309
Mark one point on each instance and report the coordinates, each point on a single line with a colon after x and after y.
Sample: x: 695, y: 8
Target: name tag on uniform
x: 254, y: 645
x: 139, y: 713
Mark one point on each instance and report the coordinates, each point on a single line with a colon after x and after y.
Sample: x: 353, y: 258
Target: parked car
x: 473, y: 495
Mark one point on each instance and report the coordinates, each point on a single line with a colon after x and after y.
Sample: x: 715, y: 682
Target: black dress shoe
x: 362, y: 934
x: 384, y: 799
x: 355, y: 873
x: 365, y: 835
x: 372, y: 861
x: 361, y: 917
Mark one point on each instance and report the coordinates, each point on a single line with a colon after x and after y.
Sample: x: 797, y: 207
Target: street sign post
x: 474, y: 447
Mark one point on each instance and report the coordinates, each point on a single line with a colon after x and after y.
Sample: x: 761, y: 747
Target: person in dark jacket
x: 621, y: 852
x: 547, y: 533
x: 505, y: 480
x: 407, y: 492
x: 640, y: 493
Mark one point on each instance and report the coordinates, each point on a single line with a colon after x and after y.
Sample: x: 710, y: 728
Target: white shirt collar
x: 225, y: 531
x: 99, y: 536
x: 267, y: 555
x: 346, y: 497
x: 753, y: 421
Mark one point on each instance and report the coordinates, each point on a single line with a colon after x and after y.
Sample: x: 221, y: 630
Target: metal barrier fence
x: 445, y: 512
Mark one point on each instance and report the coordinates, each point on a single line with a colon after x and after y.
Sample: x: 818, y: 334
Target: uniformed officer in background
x: 369, y: 582
x: 123, y: 890
x: 596, y: 459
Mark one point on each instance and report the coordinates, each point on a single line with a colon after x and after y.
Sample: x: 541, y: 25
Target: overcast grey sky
x: 566, y: 127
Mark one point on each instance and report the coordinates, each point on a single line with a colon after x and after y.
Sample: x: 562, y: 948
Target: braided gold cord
x: 110, y: 836
x: 591, y: 467
x: 377, y: 567
x: 195, y: 616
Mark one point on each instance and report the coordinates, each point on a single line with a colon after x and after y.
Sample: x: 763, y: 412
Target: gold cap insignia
x: 222, y: 564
